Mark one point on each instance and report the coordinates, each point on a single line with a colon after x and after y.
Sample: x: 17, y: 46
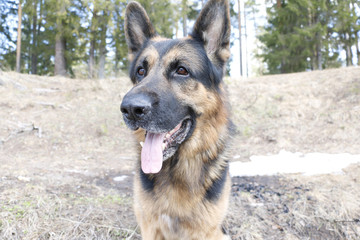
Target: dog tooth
x: 141, y: 144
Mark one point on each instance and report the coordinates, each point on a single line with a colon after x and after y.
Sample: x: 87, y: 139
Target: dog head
x: 176, y: 81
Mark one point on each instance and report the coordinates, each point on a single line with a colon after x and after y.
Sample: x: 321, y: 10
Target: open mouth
x: 159, y: 147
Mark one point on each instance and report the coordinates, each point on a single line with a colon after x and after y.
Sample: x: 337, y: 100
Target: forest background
x: 85, y: 38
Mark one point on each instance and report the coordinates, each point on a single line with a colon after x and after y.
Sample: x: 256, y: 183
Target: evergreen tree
x: 347, y: 27
x: 355, y: 4
x: 310, y: 34
x: 18, y: 42
x: 285, y: 37
x: 118, y: 42
x: 8, y: 8
x: 58, y: 36
x: 63, y: 24
x: 161, y: 13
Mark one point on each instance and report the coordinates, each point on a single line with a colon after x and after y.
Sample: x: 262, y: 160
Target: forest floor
x: 67, y: 157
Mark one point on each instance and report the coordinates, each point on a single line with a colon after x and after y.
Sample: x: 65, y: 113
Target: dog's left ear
x: 212, y: 28
x: 138, y: 27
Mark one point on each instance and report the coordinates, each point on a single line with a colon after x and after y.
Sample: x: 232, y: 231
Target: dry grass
x: 62, y: 142
x: 36, y: 213
x: 311, y: 111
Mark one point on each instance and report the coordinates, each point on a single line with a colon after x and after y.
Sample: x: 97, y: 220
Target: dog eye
x: 141, y: 71
x: 182, y: 71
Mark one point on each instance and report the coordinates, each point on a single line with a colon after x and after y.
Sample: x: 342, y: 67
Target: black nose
x: 136, y: 107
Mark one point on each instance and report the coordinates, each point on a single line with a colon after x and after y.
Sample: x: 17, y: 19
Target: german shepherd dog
x: 178, y: 111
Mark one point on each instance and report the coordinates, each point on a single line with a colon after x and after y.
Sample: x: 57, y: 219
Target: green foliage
x: 7, y: 51
x: 161, y: 14
x: 307, y: 34
x: 88, y: 28
x: 65, y: 19
x: 118, y: 42
x: 300, y: 35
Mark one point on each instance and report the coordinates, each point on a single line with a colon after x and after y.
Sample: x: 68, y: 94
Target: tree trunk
x: 348, y: 36
x: 184, y: 16
x: 92, y: 58
x: 34, y: 41
x: 357, y: 48
x: 348, y: 55
x: 240, y: 46
x: 246, y: 47
x: 346, y: 40
x: 356, y: 35
x: 102, y: 50
x: 102, y: 58
x: 60, y: 63
x: 278, y: 3
x: 319, y: 53
x: 92, y: 46
x: 18, y: 42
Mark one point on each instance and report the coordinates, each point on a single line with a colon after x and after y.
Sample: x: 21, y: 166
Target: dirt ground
x: 67, y: 157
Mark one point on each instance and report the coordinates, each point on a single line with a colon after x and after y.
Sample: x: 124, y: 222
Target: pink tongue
x: 151, y: 153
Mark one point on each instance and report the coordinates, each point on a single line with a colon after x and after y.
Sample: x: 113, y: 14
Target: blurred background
x: 67, y: 158
x: 85, y: 39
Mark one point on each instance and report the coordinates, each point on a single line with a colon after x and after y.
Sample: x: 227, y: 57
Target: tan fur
x: 151, y: 55
x: 201, y: 220
x: 160, y: 215
x: 186, y: 53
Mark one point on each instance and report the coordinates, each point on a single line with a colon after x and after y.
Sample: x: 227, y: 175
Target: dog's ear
x: 138, y: 27
x: 212, y: 28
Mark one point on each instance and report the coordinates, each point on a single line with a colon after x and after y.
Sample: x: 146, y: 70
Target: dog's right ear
x: 138, y: 27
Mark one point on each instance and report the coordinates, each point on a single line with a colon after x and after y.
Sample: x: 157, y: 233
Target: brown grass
x: 311, y: 111
x: 62, y: 142
x: 35, y: 212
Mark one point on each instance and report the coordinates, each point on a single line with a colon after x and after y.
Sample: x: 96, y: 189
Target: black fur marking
x: 208, y: 74
x: 214, y: 191
x: 223, y: 229
x: 174, y: 160
x: 193, y: 123
x: 146, y: 182
x: 133, y: 67
x: 163, y: 47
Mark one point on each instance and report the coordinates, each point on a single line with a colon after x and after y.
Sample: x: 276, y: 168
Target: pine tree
x: 60, y: 36
x: 102, y: 46
x: 240, y: 37
x: 161, y: 13
x: 347, y: 27
x: 63, y: 22
x: 118, y: 42
x: 7, y: 51
x: 356, y: 17
x: 310, y: 34
x: 18, y: 42
x: 295, y: 39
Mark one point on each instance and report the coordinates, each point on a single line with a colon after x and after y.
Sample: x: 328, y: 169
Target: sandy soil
x: 63, y: 143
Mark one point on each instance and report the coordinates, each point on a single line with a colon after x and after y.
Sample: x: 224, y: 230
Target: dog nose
x: 135, y: 107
